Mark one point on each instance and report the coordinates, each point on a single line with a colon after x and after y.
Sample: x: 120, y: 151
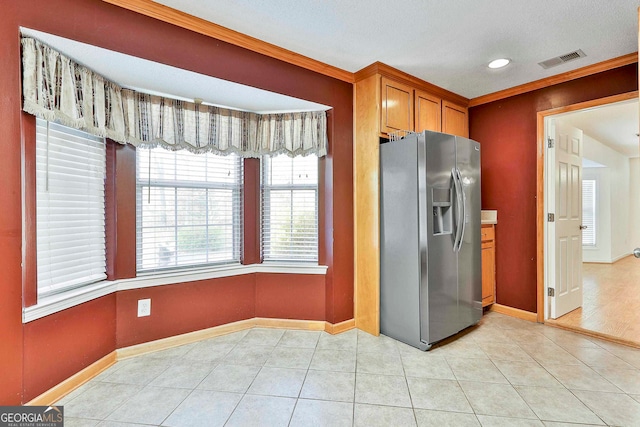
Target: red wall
x: 182, y: 308
x: 290, y: 296
x: 187, y: 307
x: 507, y: 130
x: 10, y: 215
x: 176, y: 308
x: 59, y: 345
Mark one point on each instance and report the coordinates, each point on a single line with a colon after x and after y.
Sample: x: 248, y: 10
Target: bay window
x: 188, y: 207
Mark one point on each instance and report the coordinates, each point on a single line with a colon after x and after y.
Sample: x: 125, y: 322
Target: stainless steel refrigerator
x: 430, y: 269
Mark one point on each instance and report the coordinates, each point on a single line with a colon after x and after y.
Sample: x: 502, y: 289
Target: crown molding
x: 207, y: 28
x: 610, y: 64
x: 408, y: 79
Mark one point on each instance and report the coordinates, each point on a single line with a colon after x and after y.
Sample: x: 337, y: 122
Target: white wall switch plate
x: 144, y: 307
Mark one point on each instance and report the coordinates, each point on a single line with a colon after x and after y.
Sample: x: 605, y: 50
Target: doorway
x: 609, y: 273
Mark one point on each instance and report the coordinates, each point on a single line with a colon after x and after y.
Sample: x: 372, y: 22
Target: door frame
x: 541, y: 178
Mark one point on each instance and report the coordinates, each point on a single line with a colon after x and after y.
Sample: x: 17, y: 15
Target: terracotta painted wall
x: 10, y: 218
x: 95, y: 22
x: 187, y: 307
x: 182, y: 308
x: 59, y: 345
x: 507, y: 131
x: 290, y: 296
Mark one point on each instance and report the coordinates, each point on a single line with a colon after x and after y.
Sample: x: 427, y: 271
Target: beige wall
x: 613, y: 202
x: 634, y: 205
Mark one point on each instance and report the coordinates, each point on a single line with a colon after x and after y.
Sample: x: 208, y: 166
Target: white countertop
x: 488, y: 217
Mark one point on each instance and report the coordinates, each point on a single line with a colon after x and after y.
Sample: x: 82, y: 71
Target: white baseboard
x: 619, y: 257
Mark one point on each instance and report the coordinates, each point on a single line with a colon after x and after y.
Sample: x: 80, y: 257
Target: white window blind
x: 70, y: 173
x: 188, y: 209
x: 290, y: 208
x: 589, y: 212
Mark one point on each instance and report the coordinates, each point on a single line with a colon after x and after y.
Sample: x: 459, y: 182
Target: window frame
x: 237, y: 190
x: 265, y: 196
x: 120, y: 228
x: 94, y: 277
x: 593, y: 225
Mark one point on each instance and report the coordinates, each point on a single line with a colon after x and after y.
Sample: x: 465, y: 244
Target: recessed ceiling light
x: 499, y: 63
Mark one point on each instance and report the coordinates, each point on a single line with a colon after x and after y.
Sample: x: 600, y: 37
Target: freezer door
x: 469, y: 256
x: 438, y: 287
x: 399, y: 249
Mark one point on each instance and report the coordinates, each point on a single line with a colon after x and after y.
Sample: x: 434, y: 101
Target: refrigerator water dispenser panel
x: 442, y: 214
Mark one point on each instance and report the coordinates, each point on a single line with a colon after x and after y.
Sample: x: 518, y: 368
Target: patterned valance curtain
x: 56, y: 88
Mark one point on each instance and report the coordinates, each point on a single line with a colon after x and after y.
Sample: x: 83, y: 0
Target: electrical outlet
x: 144, y: 307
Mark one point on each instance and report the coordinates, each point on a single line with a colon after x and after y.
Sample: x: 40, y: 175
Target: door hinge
x: 551, y: 217
x: 550, y: 142
x: 551, y: 292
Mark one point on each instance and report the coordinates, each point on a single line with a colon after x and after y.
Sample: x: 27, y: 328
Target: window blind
x: 290, y: 208
x: 589, y: 212
x: 188, y: 209
x: 70, y: 173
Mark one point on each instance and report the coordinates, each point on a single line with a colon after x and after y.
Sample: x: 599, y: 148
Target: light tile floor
x: 504, y: 372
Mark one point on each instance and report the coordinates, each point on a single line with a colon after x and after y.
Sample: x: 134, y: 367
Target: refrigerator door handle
x: 464, y: 209
x: 458, y: 210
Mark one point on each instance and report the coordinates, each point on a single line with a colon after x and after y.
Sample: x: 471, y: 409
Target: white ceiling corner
x: 450, y: 43
x: 447, y: 43
x: 614, y: 125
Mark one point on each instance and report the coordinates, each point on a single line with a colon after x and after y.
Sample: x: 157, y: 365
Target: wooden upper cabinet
x: 427, y: 112
x: 397, y: 106
x: 385, y: 100
x: 454, y: 119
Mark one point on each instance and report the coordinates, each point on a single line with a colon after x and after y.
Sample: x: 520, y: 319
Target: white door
x: 565, y: 233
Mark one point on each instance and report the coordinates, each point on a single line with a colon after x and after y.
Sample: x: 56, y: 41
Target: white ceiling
x: 588, y: 163
x: 160, y: 79
x: 416, y: 36
x: 447, y: 43
x: 615, y: 125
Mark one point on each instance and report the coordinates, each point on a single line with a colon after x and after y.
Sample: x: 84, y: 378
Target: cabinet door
x: 397, y: 106
x: 488, y: 273
x: 454, y: 119
x: 427, y: 108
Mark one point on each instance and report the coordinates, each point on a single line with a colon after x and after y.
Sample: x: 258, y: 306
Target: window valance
x: 56, y: 88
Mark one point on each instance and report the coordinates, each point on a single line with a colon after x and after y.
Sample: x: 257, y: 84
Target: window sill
x: 58, y: 302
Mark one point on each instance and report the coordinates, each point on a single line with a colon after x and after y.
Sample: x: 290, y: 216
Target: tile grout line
x: 475, y: 414
x: 142, y: 387
x: 249, y: 386
x: 511, y: 339
x: 562, y: 384
x: 295, y: 405
x: 514, y: 387
x: 217, y: 363
x: 404, y: 372
x: 355, y: 380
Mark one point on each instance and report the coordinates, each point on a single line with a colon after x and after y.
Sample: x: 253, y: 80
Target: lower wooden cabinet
x: 487, y: 232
